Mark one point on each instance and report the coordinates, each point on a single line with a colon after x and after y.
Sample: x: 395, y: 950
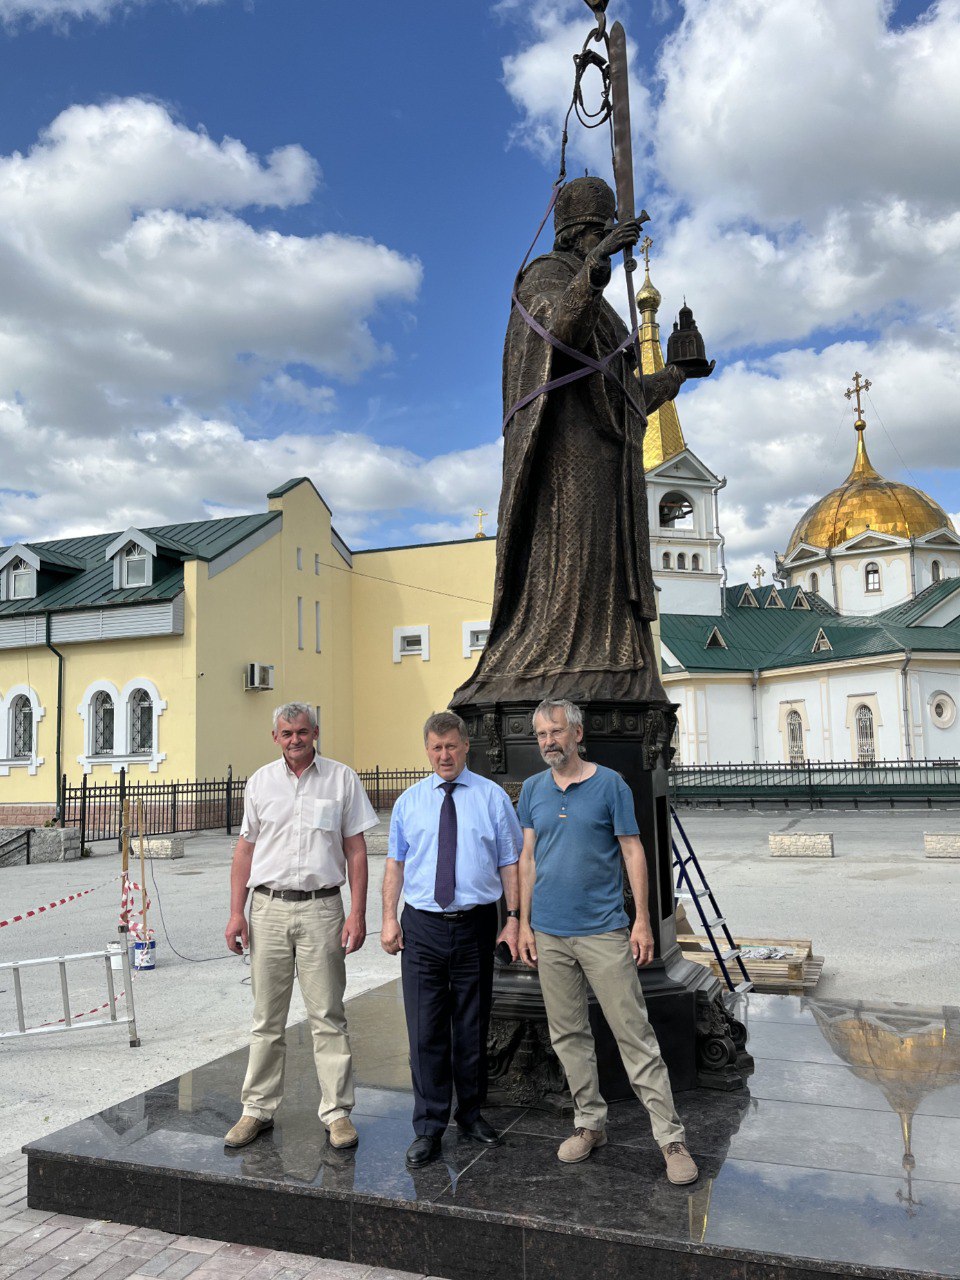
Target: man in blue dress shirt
x: 454, y: 847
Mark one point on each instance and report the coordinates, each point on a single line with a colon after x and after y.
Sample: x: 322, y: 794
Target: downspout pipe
x: 905, y: 699
x: 833, y: 579
x: 756, y: 719
x: 59, y: 657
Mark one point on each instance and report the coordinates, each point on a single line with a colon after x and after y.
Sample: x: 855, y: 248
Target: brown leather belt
x: 296, y: 895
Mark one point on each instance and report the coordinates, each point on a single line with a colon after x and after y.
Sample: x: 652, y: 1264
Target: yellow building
x: 164, y: 650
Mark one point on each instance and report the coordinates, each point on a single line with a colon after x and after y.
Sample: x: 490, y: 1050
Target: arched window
x: 795, y: 737
x: 141, y: 723
x: 676, y: 511
x: 21, y: 728
x: 134, y: 566
x: 871, y: 576
x: 866, y: 742
x: 681, y: 560
x: 695, y: 563
x: 814, y: 582
x: 667, y: 561
x: 103, y: 716
x: 935, y: 572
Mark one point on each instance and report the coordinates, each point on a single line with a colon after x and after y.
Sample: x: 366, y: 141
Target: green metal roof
x: 91, y: 586
x: 765, y: 639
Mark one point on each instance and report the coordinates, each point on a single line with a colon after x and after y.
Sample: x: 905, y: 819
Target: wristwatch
x: 513, y: 915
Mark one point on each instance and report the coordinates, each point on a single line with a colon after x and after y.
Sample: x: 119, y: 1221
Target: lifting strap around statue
x: 587, y: 363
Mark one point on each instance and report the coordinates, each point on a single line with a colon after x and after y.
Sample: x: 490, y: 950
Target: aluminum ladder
x: 690, y: 891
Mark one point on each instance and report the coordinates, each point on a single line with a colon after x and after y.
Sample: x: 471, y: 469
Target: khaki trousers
x: 604, y: 960
x: 304, y: 936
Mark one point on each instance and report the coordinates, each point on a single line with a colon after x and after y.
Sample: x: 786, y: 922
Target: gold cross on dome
x: 856, y: 389
x: 758, y: 574
x: 646, y: 244
x: 479, y: 514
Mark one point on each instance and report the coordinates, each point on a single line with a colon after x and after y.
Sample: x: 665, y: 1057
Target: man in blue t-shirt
x: 579, y: 830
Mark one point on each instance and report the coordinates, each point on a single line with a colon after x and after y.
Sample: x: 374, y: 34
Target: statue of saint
x: 574, y: 596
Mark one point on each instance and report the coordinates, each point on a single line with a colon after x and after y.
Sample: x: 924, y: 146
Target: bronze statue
x: 573, y: 597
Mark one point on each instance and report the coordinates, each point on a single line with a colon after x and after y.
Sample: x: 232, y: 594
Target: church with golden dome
x: 852, y: 654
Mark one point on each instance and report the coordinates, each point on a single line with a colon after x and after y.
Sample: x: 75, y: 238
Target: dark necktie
x: 446, y: 884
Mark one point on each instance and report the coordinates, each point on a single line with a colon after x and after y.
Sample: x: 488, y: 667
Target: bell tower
x: 686, y: 545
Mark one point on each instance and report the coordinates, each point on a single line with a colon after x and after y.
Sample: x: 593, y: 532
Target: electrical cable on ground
x: 166, y: 934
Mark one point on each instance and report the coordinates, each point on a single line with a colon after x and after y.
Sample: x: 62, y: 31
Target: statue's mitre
x: 584, y: 202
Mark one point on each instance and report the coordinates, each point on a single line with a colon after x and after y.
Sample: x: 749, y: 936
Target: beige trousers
x: 604, y: 960
x: 305, y: 936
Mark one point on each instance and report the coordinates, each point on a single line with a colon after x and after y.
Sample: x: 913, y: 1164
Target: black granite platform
x: 842, y: 1158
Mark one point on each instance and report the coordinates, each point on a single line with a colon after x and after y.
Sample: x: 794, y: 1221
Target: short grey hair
x: 441, y: 722
x: 291, y: 711
x: 549, y: 707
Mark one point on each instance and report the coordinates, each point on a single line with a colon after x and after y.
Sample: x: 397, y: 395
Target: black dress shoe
x: 423, y: 1150
x: 480, y: 1131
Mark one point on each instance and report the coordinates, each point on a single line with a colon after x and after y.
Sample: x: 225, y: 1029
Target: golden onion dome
x: 866, y: 501
x: 648, y: 295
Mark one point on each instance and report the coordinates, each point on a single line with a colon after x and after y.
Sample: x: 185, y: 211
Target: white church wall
x: 877, y: 688
x: 778, y: 696
x: 689, y: 592
x: 894, y: 582
x: 937, y: 688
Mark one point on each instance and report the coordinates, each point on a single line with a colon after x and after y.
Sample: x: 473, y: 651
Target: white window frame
x: 948, y: 719
x: 469, y: 646
x: 133, y: 554
x: 400, y: 634
x: 31, y: 563
x: 117, y: 552
x: 33, y: 761
x: 122, y: 756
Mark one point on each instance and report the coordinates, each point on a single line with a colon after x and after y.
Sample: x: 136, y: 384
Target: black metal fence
x: 204, y: 804
x: 816, y: 783
x: 383, y: 786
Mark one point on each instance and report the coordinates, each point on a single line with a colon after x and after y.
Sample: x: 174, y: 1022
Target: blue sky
x: 246, y: 239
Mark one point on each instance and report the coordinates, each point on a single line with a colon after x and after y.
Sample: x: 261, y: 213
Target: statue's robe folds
x: 574, y: 596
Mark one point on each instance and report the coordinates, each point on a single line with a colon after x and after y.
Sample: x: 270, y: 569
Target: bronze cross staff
x: 623, y: 162
x: 855, y: 390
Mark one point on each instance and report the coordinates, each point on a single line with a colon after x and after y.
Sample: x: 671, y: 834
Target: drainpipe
x: 716, y: 529
x: 59, y: 656
x: 905, y: 694
x: 833, y: 579
x: 913, y: 566
x: 756, y: 720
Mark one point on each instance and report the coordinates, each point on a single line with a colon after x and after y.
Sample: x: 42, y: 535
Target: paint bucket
x: 144, y: 954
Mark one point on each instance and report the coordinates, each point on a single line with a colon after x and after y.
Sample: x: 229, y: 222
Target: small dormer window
x: 134, y: 566
x: 21, y: 580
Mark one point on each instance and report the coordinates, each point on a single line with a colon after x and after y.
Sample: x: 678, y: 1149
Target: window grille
x: 795, y: 737
x: 871, y: 575
x: 695, y: 564
x: 935, y: 571
x: 666, y: 560
x: 103, y: 714
x: 814, y: 582
x: 866, y: 743
x: 22, y: 718
x: 141, y: 723
x: 681, y: 561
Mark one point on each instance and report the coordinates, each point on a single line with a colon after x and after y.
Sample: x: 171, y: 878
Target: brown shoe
x: 342, y: 1133
x: 580, y: 1145
x: 681, y: 1168
x: 245, y: 1130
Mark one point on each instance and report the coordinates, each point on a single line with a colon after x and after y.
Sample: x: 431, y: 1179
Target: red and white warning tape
x: 86, y: 1014
x: 37, y: 911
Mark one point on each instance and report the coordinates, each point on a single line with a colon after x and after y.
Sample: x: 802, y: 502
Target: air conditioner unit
x: 257, y: 676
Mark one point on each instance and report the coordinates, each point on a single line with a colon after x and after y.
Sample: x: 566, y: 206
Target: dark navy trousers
x: 447, y: 973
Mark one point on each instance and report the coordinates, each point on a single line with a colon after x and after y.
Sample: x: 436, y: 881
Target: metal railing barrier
x: 79, y: 1021
x: 16, y: 851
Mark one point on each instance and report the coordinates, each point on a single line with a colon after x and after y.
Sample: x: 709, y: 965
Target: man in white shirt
x: 302, y: 836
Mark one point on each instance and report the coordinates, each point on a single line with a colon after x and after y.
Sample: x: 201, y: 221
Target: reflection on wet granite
x: 842, y: 1158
